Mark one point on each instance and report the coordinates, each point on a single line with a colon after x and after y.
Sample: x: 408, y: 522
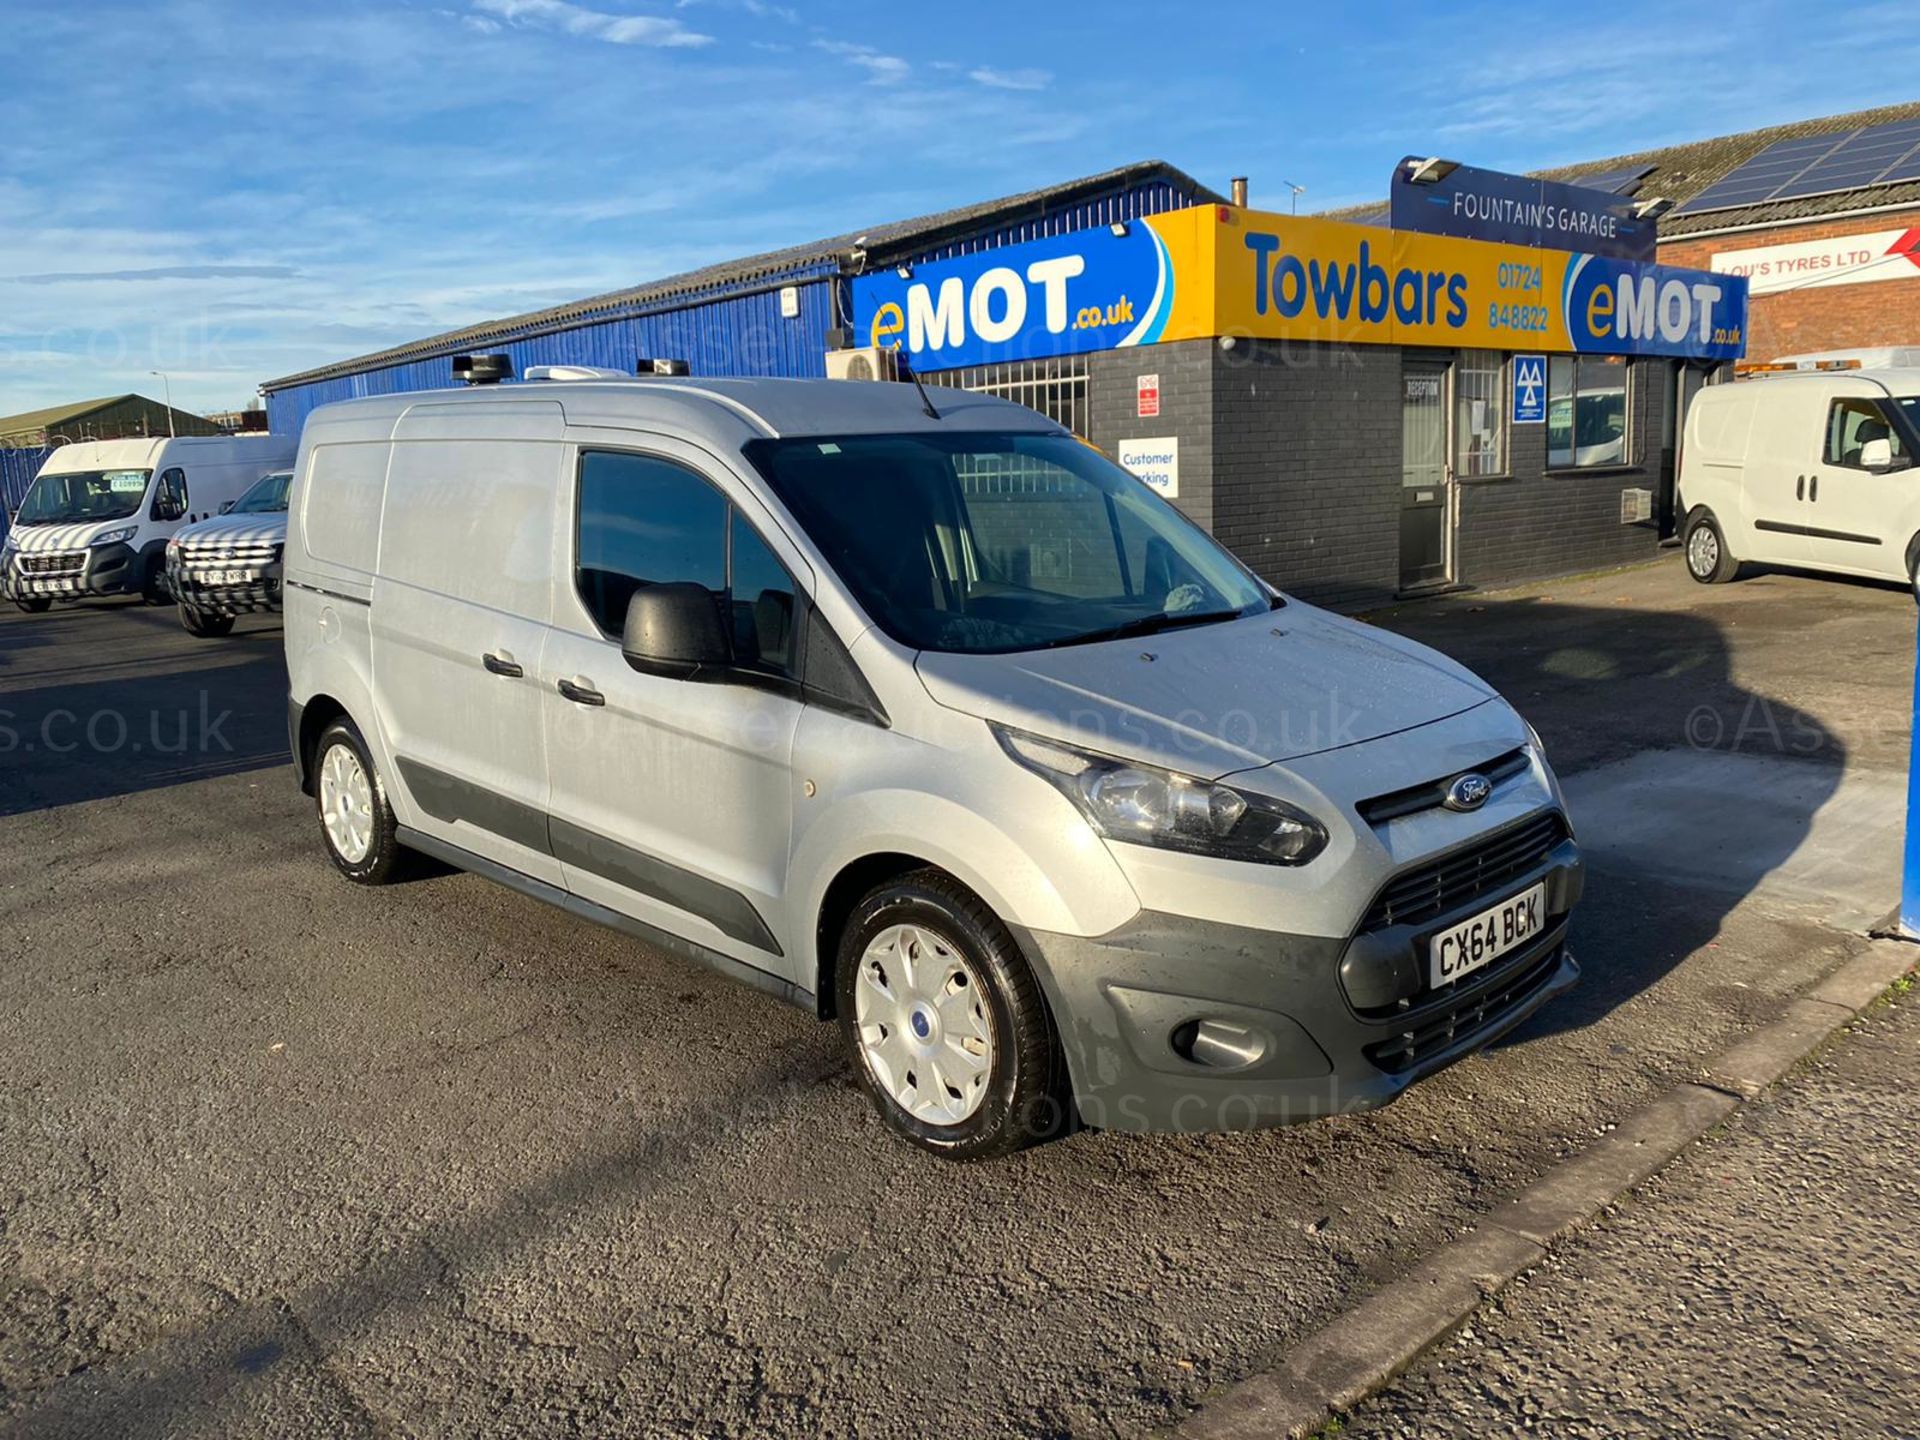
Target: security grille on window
x: 1480, y: 414
x: 1587, y: 411
x: 1056, y: 388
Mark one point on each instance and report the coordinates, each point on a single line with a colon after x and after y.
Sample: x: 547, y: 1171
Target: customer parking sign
x: 1529, y: 389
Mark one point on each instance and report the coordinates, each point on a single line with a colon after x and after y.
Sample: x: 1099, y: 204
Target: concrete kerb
x: 1361, y: 1350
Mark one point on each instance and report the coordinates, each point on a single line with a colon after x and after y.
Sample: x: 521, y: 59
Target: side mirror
x: 675, y: 630
x: 226, y: 506
x: 1877, y: 455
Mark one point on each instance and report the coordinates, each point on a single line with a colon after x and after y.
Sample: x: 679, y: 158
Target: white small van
x: 931, y: 719
x: 1809, y: 468
x: 97, y: 518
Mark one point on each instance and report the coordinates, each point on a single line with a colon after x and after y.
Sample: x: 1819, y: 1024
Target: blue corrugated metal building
x: 732, y: 318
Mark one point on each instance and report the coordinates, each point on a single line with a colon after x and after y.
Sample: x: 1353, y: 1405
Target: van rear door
x: 461, y: 605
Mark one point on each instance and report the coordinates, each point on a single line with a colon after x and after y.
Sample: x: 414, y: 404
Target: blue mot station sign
x: 1472, y: 204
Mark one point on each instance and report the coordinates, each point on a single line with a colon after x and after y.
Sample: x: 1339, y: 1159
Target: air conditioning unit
x: 869, y: 363
x: 1636, y: 506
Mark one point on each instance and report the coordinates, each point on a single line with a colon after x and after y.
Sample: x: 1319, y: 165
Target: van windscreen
x: 981, y: 542
x: 82, y: 497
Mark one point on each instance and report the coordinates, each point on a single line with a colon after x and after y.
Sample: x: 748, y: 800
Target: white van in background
x: 97, y: 519
x: 1808, y: 468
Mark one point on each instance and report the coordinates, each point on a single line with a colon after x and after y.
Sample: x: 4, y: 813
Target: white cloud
x: 881, y: 69
x: 572, y: 19
x: 480, y: 24
x: 1010, y: 79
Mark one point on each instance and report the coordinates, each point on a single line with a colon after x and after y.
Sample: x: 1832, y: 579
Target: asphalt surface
x: 1766, y: 1284
x: 283, y: 1155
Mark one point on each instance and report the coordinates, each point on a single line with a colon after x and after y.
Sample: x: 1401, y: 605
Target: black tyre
x: 38, y: 605
x: 949, y: 1031
x: 356, y: 822
x: 205, y: 625
x: 1708, y: 559
x: 155, y: 590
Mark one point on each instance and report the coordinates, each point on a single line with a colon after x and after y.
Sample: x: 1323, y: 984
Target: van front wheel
x: 356, y: 822
x: 950, y: 1034
x: 1708, y: 559
x: 204, y: 624
x: 38, y: 605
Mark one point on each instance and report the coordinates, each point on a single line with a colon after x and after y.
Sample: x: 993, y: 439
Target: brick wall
x: 1822, y: 317
x: 1185, y: 369
x: 1307, y: 467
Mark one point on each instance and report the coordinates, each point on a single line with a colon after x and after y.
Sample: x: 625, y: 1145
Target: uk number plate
x: 1487, y: 936
x: 229, y: 577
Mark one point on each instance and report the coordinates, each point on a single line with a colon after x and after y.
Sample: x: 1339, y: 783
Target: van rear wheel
x: 356, y: 821
x: 950, y: 1034
x: 1708, y: 559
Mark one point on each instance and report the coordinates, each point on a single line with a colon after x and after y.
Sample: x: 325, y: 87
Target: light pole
x: 1297, y: 190
x: 169, y: 392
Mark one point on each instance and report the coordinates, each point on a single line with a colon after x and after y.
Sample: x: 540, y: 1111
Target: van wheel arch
x: 318, y: 713
x: 844, y: 893
x: 1913, y: 559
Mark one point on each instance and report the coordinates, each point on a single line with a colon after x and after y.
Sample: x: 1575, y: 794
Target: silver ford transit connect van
x: 927, y: 717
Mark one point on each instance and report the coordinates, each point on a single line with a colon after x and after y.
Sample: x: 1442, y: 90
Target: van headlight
x: 11, y: 543
x: 114, y: 537
x: 1144, y: 805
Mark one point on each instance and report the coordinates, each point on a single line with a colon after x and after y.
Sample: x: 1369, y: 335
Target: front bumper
x: 193, y: 587
x: 1172, y: 1023
x: 116, y: 569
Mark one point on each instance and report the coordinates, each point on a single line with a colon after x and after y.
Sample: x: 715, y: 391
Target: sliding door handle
x: 581, y: 694
x: 1799, y: 487
x: 500, y: 664
x: 1813, y: 488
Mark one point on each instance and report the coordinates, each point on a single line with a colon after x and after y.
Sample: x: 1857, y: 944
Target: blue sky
x: 231, y: 192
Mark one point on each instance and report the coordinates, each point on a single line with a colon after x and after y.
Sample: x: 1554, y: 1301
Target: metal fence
x: 17, y: 469
x: 1056, y: 388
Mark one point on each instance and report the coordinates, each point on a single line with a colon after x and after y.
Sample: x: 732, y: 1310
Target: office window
x: 1480, y: 414
x: 1586, y: 411
x: 647, y: 521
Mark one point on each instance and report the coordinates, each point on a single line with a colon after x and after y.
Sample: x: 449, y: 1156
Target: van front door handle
x: 580, y: 694
x: 1799, y: 487
x: 501, y: 665
x: 1813, y: 488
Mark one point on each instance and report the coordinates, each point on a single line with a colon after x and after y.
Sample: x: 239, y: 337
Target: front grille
x: 1432, y: 794
x: 1480, y: 1008
x: 248, y: 556
x: 54, y: 562
x: 1433, y: 889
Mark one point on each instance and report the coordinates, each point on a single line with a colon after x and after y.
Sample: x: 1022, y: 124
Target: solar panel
x: 1614, y: 182
x: 1817, y: 165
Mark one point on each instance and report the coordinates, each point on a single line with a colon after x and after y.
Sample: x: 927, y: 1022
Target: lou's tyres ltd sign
x: 1213, y: 270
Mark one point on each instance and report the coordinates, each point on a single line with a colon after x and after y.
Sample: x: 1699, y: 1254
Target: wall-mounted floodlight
x: 905, y: 272
x: 1652, y: 208
x: 1430, y: 171
x: 1119, y: 228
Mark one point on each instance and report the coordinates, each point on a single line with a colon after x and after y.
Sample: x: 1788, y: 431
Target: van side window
x: 647, y: 521
x: 1850, y: 425
x: 169, y: 495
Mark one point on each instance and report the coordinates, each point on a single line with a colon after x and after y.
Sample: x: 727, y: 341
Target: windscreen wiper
x: 1145, y: 625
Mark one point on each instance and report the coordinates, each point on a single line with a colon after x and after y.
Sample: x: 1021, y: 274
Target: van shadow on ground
x: 85, y: 716
x: 1637, y: 696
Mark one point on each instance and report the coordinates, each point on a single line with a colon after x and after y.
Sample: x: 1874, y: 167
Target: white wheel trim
x: 346, y: 803
x: 1703, y: 550
x: 921, y: 1014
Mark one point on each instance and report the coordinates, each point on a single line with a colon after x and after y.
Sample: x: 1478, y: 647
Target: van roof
x: 138, y: 451
x: 727, y: 411
x: 1861, y: 381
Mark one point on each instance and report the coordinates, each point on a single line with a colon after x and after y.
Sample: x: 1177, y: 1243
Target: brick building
x: 1826, y: 256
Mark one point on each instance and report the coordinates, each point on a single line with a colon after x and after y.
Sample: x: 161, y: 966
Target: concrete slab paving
x: 1803, y: 832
